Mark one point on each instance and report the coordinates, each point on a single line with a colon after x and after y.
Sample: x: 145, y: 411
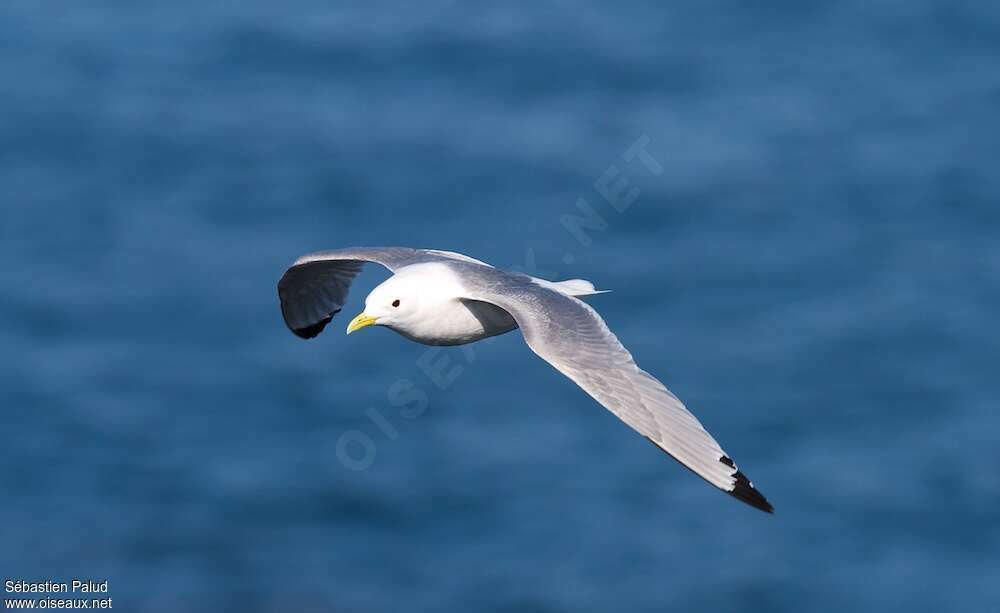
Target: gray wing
x: 315, y: 288
x: 571, y: 336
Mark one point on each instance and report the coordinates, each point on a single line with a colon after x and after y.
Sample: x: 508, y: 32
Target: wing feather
x: 315, y: 287
x: 572, y: 337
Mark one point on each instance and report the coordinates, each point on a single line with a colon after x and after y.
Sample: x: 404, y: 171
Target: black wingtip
x: 745, y: 491
x: 313, y: 330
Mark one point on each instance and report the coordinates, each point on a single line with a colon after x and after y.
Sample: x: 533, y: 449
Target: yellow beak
x: 361, y: 321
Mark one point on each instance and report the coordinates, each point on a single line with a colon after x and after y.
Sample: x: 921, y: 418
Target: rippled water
x: 815, y: 271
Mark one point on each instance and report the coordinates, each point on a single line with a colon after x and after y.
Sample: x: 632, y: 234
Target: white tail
x: 571, y: 287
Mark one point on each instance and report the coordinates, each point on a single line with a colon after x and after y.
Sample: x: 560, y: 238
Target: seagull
x: 445, y: 298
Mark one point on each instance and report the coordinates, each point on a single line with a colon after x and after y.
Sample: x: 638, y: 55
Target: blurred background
x: 814, y: 271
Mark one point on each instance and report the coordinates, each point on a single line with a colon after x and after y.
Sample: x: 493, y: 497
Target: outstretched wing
x: 315, y: 288
x: 572, y: 337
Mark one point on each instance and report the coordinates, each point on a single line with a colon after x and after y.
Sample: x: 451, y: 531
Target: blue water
x: 815, y: 270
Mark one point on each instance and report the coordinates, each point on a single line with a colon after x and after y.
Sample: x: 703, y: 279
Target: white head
x: 404, y: 302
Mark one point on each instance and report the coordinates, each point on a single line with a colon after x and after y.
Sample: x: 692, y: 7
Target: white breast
x: 457, y: 322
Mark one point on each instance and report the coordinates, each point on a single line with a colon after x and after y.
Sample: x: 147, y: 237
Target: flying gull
x: 444, y: 298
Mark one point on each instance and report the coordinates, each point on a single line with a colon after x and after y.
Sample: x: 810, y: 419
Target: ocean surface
x: 802, y: 232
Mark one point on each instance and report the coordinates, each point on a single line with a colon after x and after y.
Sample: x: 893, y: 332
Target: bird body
x: 444, y: 298
x: 431, y: 309
x: 434, y: 308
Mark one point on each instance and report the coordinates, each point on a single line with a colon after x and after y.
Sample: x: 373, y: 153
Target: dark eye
x: 395, y: 303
